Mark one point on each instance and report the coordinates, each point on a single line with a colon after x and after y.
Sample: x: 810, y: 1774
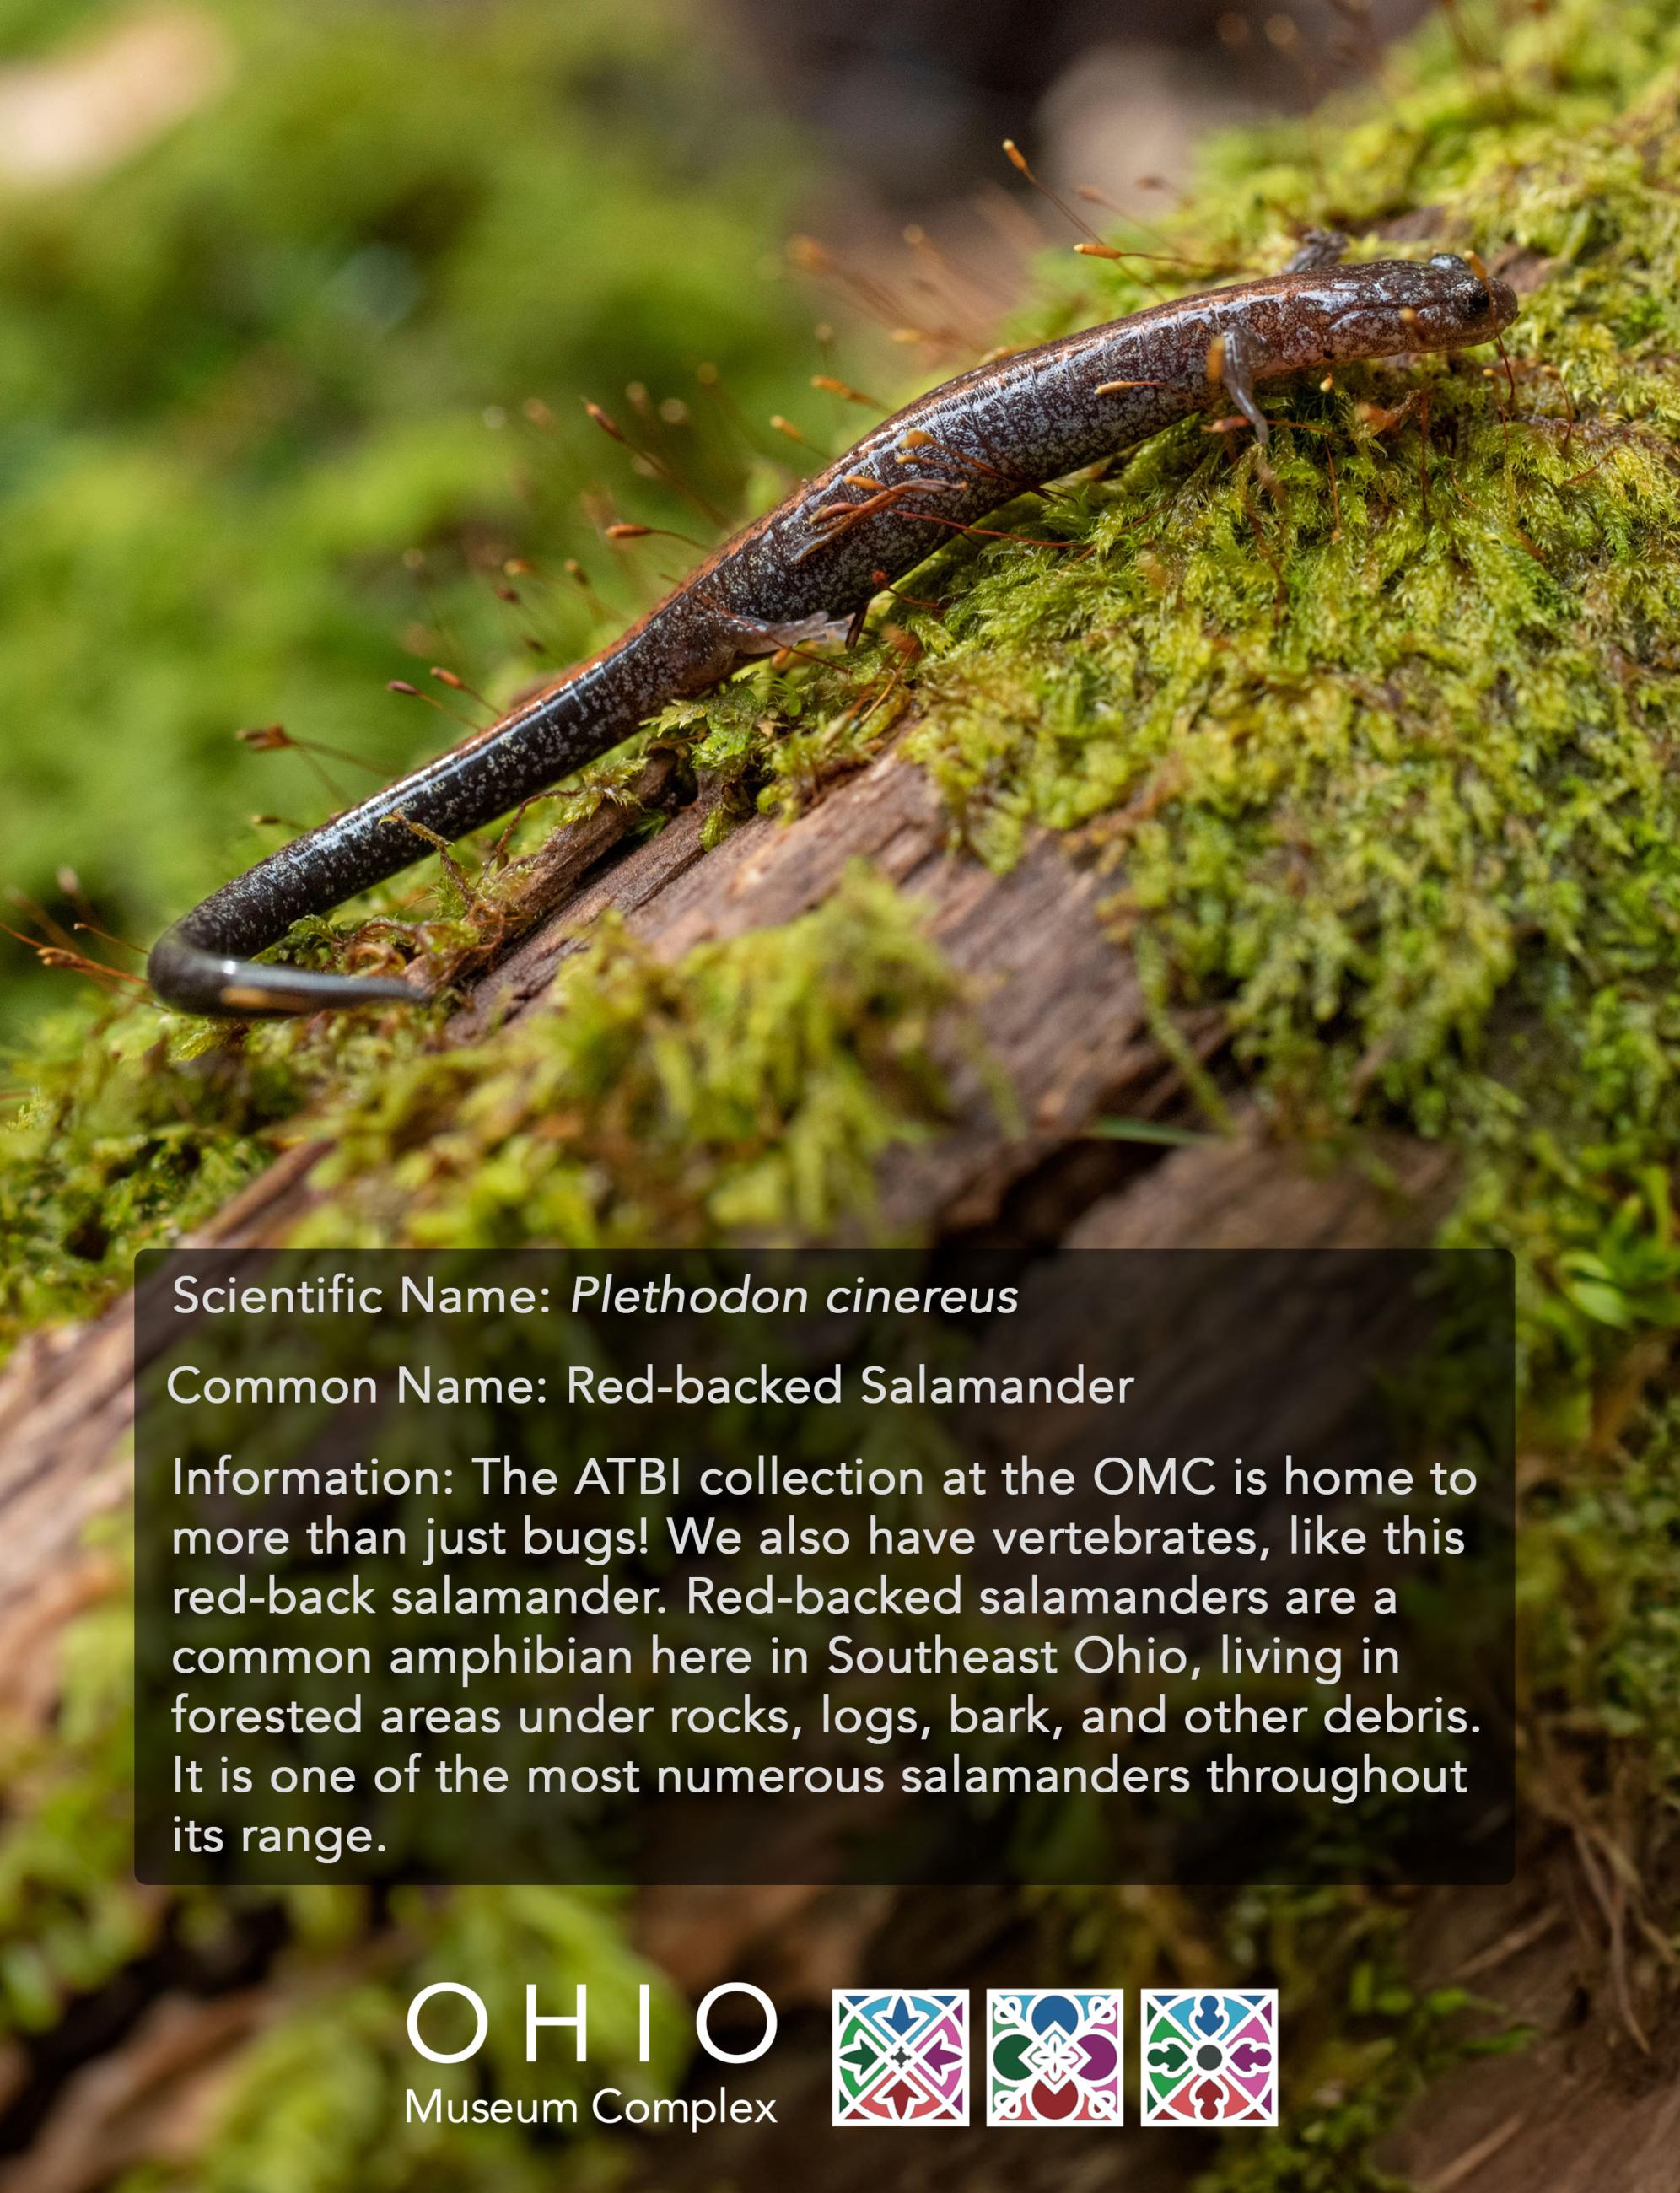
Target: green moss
x: 137, y: 1125
x: 1600, y: 1603
x: 751, y: 1088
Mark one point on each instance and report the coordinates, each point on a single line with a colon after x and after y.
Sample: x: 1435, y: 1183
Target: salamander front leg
x: 1233, y: 359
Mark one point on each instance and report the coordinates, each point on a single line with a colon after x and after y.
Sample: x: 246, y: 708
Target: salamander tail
x: 195, y: 980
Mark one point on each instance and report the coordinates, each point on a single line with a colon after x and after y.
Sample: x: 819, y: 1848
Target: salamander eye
x: 1446, y: 259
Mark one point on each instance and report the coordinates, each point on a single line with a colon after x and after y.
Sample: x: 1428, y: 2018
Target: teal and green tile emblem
x: 900, y: 2056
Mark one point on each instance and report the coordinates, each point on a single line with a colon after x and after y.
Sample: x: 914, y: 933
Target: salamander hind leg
x: 1234, y: 361
x: 752, y: 635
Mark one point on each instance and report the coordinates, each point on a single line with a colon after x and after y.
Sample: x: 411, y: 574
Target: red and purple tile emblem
x: 1053, y: 2056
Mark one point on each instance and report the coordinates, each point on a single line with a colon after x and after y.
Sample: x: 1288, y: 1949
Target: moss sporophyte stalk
x: 1374, y: 749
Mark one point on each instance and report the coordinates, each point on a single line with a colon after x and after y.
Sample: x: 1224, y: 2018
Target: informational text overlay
x: 878, y: 1566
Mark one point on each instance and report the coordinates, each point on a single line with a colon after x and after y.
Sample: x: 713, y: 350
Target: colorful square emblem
x: 1053, y: 2057
x: 1210, y: 2059
x: 900, y: 2056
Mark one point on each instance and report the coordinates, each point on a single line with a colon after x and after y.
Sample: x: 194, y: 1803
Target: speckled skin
x: 949, y: 458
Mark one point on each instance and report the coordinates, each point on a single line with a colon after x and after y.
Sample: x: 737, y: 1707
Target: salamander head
x: 1443, y: 303
x: 1460, y: 303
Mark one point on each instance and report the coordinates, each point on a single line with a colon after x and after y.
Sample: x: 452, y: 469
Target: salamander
x: 812, y: 565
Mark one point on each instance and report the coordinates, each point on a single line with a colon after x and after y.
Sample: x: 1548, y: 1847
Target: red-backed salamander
x: 810, y: 565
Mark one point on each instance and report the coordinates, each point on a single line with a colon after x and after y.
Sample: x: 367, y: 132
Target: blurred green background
x: 345, y: 307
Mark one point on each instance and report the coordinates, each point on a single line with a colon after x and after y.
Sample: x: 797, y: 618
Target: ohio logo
x: 1053, y: 2057
x: 900, y: 2056
x: 1210, y: 2059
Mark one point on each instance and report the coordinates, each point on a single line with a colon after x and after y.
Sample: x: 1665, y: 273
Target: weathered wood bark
x: 1060, y: 1007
